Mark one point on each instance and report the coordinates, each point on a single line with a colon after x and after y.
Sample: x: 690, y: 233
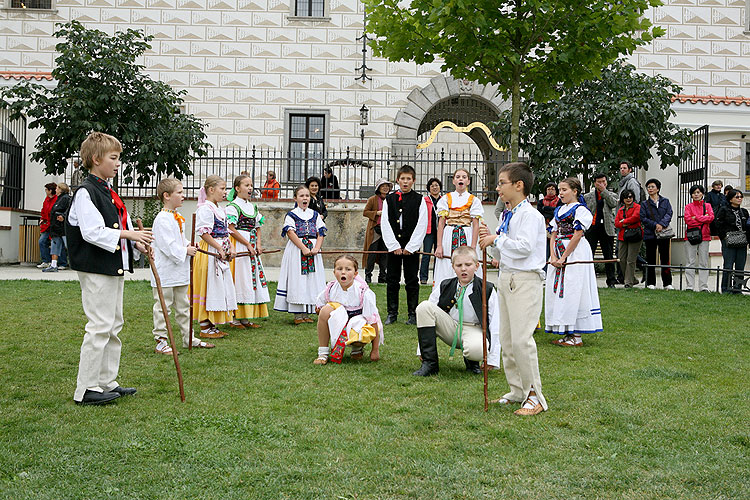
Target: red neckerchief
x: 399, y: 195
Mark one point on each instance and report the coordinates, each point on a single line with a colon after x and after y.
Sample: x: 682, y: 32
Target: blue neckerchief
x: 507, y: 215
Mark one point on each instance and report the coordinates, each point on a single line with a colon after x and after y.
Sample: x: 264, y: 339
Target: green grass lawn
x: 655, y: 407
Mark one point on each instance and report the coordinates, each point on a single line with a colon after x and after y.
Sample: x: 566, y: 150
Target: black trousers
x: 380, y: 258
x: 651, y: 247
x: 598, y: 235
x: 410, y: 264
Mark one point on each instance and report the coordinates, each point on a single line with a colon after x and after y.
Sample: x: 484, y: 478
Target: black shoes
x: 124, y: 391
x: 428, y: 350
x: 98, y: 398
x: 472, y: 366
x: 390, y: 320
x: 412, y: 319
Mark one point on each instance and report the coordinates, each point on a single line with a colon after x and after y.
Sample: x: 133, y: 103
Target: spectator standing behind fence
x: 272, y: 188
x: 698, y: 217
x: 731, y: 223
x: 374, y: 235
x: 316, y: 200
x: 329, y: 187
x: 656, y: 215
x: 602, y: 203
x: 628, y: 221
x: 44, y: 235
x: 57, y: 229
x: 717, y: 199
x: 434, y: 188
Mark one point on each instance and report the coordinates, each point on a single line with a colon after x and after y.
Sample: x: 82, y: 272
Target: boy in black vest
x: 454, y: 313
x: 100, y: 243
x: 403, y: 224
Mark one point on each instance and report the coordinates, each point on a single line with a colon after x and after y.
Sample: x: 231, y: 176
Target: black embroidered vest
x: 447, y: 298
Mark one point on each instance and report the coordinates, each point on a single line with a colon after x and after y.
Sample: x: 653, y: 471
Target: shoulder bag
x: 738, y: 238
x: 695, y: 234
x: 665, y: 234
x: 632, y: 234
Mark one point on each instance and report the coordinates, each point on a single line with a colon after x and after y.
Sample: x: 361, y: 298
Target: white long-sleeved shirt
x: 522, y: 248
x: 170, y: 252
x: 84, y: 214
x: 417, y: 237
x: 470, y: 316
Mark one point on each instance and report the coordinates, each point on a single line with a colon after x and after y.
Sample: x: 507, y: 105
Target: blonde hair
x: 462, y: 170
x: 464, y: 251
x: 238, y: 180
x: 166, y: 186
x: 64, y: 188
x: 348, y: 257
x: 213, y: 181
x: 97, y: 145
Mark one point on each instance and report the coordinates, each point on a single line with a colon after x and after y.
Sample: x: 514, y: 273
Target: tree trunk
x: 515, y: 115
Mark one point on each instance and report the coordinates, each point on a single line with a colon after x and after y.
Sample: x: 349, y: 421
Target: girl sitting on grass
x: 347, y: 315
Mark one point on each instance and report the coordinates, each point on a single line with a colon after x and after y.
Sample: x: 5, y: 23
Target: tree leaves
x: 100, y: 87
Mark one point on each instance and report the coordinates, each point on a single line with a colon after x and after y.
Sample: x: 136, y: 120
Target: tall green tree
x: 623, y: 115
x: 100, y: 87
x: 527, y: 47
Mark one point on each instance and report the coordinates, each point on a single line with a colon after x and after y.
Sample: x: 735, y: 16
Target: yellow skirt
x: 200, y: 285
x: 251, y: 311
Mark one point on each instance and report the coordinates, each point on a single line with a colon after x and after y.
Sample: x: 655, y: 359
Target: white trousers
x: 176, y: 298
x: 696, y: 255
x: 429, y: 314
x: 520, y: 296
x: 100, y: 351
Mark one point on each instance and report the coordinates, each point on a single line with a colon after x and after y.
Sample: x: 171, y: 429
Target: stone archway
x: 433, y: 103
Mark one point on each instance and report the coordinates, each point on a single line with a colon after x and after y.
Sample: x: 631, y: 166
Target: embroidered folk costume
x: 571, y: 297
x: 214, y: 296
x: 354, y: 317
x: 251, y: 287
x: 459, y: 210
x: 301, y: 277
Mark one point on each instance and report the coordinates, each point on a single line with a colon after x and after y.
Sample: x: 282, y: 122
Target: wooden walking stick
x: 485, y: 368
x: 192, y: 243
x: 165, y: 312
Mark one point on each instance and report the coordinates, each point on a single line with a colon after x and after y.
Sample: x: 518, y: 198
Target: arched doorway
x: 461, y: 102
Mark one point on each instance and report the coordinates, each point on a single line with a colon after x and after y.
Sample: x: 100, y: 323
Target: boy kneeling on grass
x: 453, y: 312
x: 172, y: 254
x: 101, y: 240
x: 347, y: 315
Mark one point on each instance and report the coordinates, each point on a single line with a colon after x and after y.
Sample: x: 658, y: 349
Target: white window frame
x: 8, y: 5
x: 325, y: 17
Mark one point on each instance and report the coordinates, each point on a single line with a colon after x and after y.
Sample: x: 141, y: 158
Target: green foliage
x: 623, y: 115
x: 146, y: 210
x: 101, y: 88
x: 527, y: 47
x: 641, y: 412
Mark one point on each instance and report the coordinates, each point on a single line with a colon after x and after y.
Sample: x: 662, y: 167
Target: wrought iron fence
x: 356, y: 172
x: 12, y: 160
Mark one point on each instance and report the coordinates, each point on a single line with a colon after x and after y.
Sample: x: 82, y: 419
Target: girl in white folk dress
x: 249, y: 277
x: 347, y: 315
x: 571, y: 301
x: 213, y: 297
x: 459, y: 214
x: 302, y: 276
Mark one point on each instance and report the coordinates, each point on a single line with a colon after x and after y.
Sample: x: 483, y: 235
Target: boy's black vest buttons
x: 115, y: 225
x: 119, y: 271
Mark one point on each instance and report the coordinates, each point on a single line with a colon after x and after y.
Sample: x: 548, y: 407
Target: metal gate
x: 692, y: 171
x: 12, y: 160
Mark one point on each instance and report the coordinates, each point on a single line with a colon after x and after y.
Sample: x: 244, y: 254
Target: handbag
x: 736, y: 239
x: 633, y: 235
x: 695, y: 234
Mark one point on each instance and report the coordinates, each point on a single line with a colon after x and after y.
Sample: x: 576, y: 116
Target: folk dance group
x: 234, y: 291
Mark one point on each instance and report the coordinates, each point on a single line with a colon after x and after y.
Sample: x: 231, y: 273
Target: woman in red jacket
x: 698, y: 217
x: 44, y: 238
x: 629, y: 217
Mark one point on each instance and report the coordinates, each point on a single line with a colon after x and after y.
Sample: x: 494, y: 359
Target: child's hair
x: 213, y: 181
x: 407, y: 170
x: 300, y: 188
x: 462, y: 170
x: 573, y: 184
x: 519, y: 171
x: 626, y: 193
x: 434, y: 179
x: 166, y: 186
x: 96, y: 145
x: 64, y: 188
x: 238, y: 180
x: 348, y: 257
x: 464, y: 251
